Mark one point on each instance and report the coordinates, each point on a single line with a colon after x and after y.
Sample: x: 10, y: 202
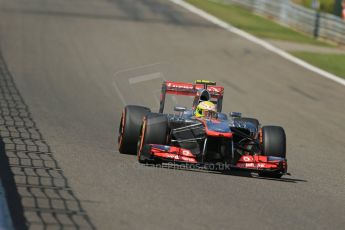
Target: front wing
x: 177, y: 155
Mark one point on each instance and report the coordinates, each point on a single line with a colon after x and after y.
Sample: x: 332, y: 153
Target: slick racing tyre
x: 129, y: 130
x: 154, y: 131
x: 273, y: 144
x: 274, y: 141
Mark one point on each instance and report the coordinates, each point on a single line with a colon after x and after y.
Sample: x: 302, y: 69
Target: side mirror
x: 179, y: 109
x: 235, y: 114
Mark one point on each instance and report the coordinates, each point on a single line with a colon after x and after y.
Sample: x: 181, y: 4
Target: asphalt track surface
x: 68, y: 68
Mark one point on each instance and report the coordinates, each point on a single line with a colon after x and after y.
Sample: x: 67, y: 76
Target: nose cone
x: 218, y: 126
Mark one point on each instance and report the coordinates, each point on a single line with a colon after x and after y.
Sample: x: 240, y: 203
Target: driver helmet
x: 204, y: 108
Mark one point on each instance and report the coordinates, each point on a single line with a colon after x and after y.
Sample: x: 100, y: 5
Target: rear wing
x: 190, y: 89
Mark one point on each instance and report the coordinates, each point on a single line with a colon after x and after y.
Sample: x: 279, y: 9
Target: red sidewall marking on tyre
x: 142, y: 137
x: 122, y: 128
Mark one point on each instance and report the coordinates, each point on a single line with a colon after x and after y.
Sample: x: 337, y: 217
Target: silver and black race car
x: 217, y: 139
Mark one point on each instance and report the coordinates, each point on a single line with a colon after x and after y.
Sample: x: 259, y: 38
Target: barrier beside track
x: 309, y: 21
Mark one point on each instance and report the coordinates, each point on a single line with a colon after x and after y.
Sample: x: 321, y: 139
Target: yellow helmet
x: 205, y: 106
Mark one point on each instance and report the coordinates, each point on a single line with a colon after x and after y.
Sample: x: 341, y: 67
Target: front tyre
x: 274, y: 141
x: 129, y: 129
x: 273, y: 144
x: 154, y: 131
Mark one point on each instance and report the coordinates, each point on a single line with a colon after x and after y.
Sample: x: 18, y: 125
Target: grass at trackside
x: 265, y: 28
x: 254, y: 24
x: 334, y: 63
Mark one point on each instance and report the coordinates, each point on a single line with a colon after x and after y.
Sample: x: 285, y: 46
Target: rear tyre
x: 154, y: 131
x: 273, y: 144
x: 129, y: 129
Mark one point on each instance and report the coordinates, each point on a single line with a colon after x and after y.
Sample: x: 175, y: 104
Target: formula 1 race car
x: 216, y: 138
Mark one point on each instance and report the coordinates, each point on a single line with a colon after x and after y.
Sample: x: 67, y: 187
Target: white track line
x: 258, y: 41
x: 142, y: 78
